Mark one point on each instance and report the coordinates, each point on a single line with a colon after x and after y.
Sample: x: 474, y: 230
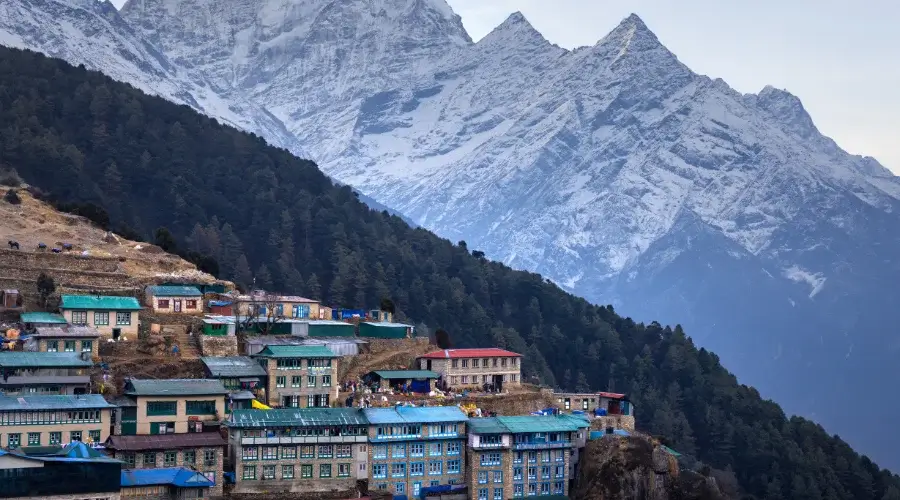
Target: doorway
x: 497, y: 381
x: 116, y: 333
x: 176, y: 305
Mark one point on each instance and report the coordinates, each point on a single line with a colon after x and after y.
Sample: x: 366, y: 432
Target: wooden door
x: 176, y: 304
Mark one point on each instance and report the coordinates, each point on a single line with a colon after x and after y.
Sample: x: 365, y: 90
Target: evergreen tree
x: 242, y: 274
x: 264, y: 278
x: 313, y: 289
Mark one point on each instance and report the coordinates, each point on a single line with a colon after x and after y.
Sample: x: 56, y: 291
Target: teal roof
x: 99, y: 302
x: 579, y: 420
x: 522, y: 424
x: 174, y: 291
x: 415, y: 415
x: 406, y: 374
x: 42, y: 317
x: 297, y: 417
x: 16, y: 359
x: 85, y: 401
x: 296, y: 351
x: 174, y: 387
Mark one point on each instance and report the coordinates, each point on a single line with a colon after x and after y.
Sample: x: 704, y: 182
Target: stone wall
x: 48, y: 259
x: 625, y: 422
x: 198, y: 464
x: 211, y: 345
x: 375, y: 345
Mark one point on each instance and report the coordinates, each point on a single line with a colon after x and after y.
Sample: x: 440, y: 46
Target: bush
x: 12, y: 197
x: 10, y: 178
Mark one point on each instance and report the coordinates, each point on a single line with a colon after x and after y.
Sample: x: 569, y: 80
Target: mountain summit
x: 613, y: 170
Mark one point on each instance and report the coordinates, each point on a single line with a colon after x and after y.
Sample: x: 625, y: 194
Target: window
x: 343, y: 470
x: 558, y: 488
x: 200, y: 407
x: 514, y: 378
x: 287, y: 472
x: 189, y: 456
x: 417, y: 469
x: 79, y: 318
x: 518, y: 491
x: 210, y: 458
x: 129, y: 459
x: 87, y: 346
x: 503, y: 363
x: 435, y: 483
x: 190, y: 304
x: 280, y: 381
x: 289, y: 452
x: 75, y: 436
x: 453, y: 448
x: 498, y: 476
x: 560, y: 471
x: 379, y: 451
x: 490, y: 459
x: 52, y: 346
x: 545, y: 456
x: 70, y: 346
x: 270, y: 453
x: 310, y: 381
x: 465, y: 363
x: 434, y: 449
x: 123, y: 318
x: 326, y: 451
x: 398, y: 470
x: 417, y: 450
x: 517, y: 473
x: 517, y: 458
x: 34, y: 439
x: 56, y: 438
x: 326, y: 380
x: 306, y: 471
x: 250, y: 453
x: 532, y: 457
x: 379, y: 471
x: 482, y: 494
x: 532, y: 489
x: 498, y: 493
x: 464, y: 379
x: 324, y: 470
x: 482, y: 477
x: 532, y: 473
x: 400, y: 488
x: 398, y: 451
x: 344, y: 451
x: 545, y: 488
x: 560, y: 455
x: 150, y: 459
x: 268, y: 472
x: 475, y: 363
x: 307, y: 451
x: 545, y: 472
x: 453, y: 466
x: 454, y: 363
x: 157, y: 408
x: 435, y: 467
x: 169, y: 458
x: 101, y: 318
x: 163, y: 303
x: 249, y: 473
x: 295, y: 381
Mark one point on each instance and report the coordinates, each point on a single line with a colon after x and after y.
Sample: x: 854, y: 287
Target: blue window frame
x: 498, y: 493
x: 279, y: 310
x: 417, y: 469
x: 417, y: 488
x: 435, y: 468
x: 498, y: 476
x: 379, y: 451
x: 453, y: 466
x: 398, y: 470
x: 517, y: 473
x: 518, y: 490
x: 417, y: 449
x: 435, y: 483
x: 482, y: 494
x: 453, y: 448
x: 434, y: 449
x: 400, y: 488
x: 398, y: 450
x: 482, y: 477
x: 379, y: 471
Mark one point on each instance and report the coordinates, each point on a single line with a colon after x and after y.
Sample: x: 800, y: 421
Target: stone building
x: 299, y: 376
x: 66, y: 338
x: 243, y: 376
x: 607, y: 409
x: 474, y: 367
x: 175, y: 483
x: 53, y: 420
x: 415, y: 447
x: 298, y: 449
x: 517, y: 457
x: 171, y: 299
x: 49, y: 373
x: 113, y: 317
x: 73, y: 472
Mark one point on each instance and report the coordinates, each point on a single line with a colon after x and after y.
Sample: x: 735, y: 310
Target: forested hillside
x: 263, y: 214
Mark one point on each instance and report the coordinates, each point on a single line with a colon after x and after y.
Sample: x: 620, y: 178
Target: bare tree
x: 258, y: 310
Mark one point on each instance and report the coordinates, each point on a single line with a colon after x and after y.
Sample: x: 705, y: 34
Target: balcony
x: 396, y: 437
x: 489, y: 446
x: 302, y: 440
x: 443, y: 435
x: 544, y: 445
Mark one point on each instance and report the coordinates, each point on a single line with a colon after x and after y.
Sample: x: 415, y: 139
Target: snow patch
x: 816, y: 281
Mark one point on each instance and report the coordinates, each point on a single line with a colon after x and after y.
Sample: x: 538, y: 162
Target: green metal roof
x: 85, y: 401
x: 487, y: 425
x: 233, y: 366
x: 297, y: 417
x: 406, y: 374
x: 522, y: 424
x: 296, y: 351
x: 579, y: 420
x: 174, y: 387
x: 42, y: 317
x: 174, y: 291
x: 99, y: 302
x: 16, y: 359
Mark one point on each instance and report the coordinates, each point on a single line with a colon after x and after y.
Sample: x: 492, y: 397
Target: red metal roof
x: 491, y: 352
x: 611, y: 395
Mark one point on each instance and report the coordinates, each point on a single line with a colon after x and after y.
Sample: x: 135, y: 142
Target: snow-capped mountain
x: 92, y: 33
x: 614, y: 170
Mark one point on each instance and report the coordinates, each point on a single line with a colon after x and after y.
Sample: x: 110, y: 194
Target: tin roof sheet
x: 414, y: 415
x: 297, y: 417
x: 174, y: 291
x: 174, y: 387
x: 487, y: 425
x: 43, y: 359
x: 85, y: 401
x: 530, y: 423
x: 296, y: 351
x: 233, y: 366
x: 99, y: 302
x: 165, y: 441
x: 42, y: 317
x: 491, y: 352
x: 66, y: 331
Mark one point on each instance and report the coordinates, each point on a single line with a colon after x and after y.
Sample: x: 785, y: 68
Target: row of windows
x: 151, y: 459
x: 485, y: 379
x: 249, y: 472
x: 296, y: 381
x: 49, y: 417
x: 400, y: 488
x: 161, y: 408
x: 69, y: 345
x: 80, y: 318
x: 558, y: 472
x: 249, y: 453
x: 558, y: 488
x: 485, y: 476
x: 483, y: 494
x: 36, y: 438
x: 484, y: 363
x: 164, y: 304
x: 402, y: 450
x: 312, y: 401
x: 333, y: 431
x: 545, y: 456
x: 433, y: 467
x: 297, y: 363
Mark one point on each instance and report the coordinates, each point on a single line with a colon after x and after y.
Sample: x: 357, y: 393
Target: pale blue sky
x: 842, y: 58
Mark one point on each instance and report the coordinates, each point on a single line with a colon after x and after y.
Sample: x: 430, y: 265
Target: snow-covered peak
x: 632, y: 34
x: 788, y: 109
x: 514, y: 34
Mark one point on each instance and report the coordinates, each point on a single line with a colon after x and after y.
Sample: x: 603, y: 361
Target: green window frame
x: 200, y: 407
x: 326, y: 380
x: 75, y: 435
x: 280, y: 381
x: 289, y: 452
x: 189, y: 457
x: 287, y: 472
x: 70, y: 346
x: 306, y: 471
x: 34, y: 439
x: 79, y: 318
x: 324, y: 470
x: 159, y: 408
x: 170, y: 458
x: 249, y: 473
x: 94, y: 435
x: 149, y: 459
x: 310, y: 381
x: 129, y: 460
x: 52, y: 346
x: 14, y: 439
x: 343, y: 470
x: 210, y: 458
x: 87, y: 346
x: 123, y: 318
x: 101, y: 318
x: 295, y: 381
x: 56, y: 437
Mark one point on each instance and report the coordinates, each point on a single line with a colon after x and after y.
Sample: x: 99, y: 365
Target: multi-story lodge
x: 33, y: 373
x: 412, y: 448
x: 515, y: 457
x: 260, y: 303
x: 73, y: 472
x: 64, y: 338
x: 298, y: 449
x: 111, y: 316
x: 299, y: 376
x: 474, y: 367
x: 53, y: 420
x: 171, y: 423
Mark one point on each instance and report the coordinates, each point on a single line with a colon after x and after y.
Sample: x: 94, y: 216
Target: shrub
x: 12, y: 197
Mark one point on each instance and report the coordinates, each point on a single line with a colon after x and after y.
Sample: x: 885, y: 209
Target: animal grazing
x: 42, y: 246
x: 67, y: 246
x: 13, y: 244
x: 56, y: 250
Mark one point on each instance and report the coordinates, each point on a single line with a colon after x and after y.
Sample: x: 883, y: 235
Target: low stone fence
x: 624, y: 422
x: 211, y: 345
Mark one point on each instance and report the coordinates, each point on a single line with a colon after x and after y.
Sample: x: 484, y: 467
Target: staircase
x: 188, y: 345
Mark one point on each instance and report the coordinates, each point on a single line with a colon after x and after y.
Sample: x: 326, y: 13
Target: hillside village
x: 167, y: 383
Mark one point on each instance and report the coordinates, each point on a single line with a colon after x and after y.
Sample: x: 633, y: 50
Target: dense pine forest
x: 253, y: 212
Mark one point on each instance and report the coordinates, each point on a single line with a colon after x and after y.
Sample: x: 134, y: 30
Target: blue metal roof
x: 414, y: 415
x: 176, y: 476
x: 174, y: 291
